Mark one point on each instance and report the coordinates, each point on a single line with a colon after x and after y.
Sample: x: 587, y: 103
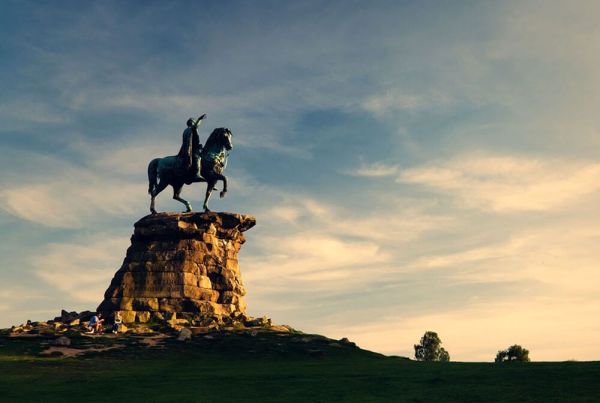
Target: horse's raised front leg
x: 159, y: 188
x: 224, y: 179
x: 203, y: 180
x: 209, y: 188
x: 176, y: 193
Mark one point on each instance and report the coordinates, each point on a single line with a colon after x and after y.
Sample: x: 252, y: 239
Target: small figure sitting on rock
x: 96, y: 323
x: 117, y: 323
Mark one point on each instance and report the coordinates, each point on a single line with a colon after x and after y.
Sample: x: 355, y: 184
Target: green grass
x: 236, y: 367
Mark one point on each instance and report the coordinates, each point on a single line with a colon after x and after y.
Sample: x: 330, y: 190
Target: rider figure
x: 189, y: 154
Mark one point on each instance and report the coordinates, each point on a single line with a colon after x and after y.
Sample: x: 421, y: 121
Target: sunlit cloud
x: 19, y: 303
x: 286, y: 213
x: 402, y: 222
x: 311, y: 250
x: 82, y: 271
x: 374, y: 170
x: 14, y: 296
x: 70, y: 202
x: 310, y: 257
x: 395, y: 100
x: 61, y: 194
x: 561, y: 255
x: 132, y: 158
x: 508, y: 183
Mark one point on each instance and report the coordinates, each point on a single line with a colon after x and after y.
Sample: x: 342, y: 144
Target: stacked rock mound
x: 181, y: 265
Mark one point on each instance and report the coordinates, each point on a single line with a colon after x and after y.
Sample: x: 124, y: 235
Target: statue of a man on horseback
x: 193, y: 163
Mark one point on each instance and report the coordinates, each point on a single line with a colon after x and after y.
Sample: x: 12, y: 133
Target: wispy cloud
x: 310, y: 250
x: 401, y: 221
x: 560, y: 255
x: 314, y: 258
x: 25, y: 111
x: 509, y: 183
x: 63, y: 194
x: 394, y: 100
x: 374, y: 170
x: 72, y: 201
x: 82, y: 271
x: 130, y: 158
x: 17, y: 294
x: 19, y: 303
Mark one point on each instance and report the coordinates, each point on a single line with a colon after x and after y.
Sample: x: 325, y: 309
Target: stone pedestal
x: 184, y: 264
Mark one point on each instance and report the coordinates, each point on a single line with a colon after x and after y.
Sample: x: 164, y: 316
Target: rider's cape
x: 185, y: 152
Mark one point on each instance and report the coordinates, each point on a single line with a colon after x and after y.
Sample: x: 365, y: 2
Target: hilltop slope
x: 266, y: 366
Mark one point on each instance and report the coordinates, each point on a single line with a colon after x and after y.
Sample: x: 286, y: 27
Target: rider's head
x: 190, y: 122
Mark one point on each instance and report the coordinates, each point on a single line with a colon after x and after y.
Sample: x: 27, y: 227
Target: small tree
x: 513, y: 353
x: 430, y: 348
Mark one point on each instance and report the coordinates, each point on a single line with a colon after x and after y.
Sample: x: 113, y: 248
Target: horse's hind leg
x: 159, y: 188
x: 176, y: 193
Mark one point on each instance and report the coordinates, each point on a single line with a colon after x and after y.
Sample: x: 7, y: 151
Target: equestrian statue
x: 193, y: 163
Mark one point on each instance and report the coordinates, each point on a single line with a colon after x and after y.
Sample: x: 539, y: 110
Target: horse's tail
x: 152, y: 175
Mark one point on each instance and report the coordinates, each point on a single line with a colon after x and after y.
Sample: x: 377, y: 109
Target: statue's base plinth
x: 182, y: 264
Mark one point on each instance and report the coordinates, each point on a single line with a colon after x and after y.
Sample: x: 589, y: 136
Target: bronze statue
x: 193, y: 163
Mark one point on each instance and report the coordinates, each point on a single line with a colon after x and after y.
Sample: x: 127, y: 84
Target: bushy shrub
x: 430, y: 348
x: 513, y: 353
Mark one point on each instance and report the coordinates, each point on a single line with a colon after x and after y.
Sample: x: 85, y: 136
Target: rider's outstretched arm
x: 199, y: 120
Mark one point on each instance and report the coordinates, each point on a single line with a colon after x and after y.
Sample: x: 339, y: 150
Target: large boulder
x: 66, y: 316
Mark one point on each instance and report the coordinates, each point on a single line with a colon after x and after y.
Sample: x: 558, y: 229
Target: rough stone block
x: 128, y: 316
x: 143, y: 316
x: 145, y: 304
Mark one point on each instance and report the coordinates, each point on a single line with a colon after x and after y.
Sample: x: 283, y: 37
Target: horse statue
x: 163, y: 172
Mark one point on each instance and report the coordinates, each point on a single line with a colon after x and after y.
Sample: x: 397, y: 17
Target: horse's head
x: 219, y: 139
x: 226, y: 138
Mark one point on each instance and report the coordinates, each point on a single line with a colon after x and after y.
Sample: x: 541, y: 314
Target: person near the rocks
x: 96, y: 323
x: 189, y: 153
x: 118, y: 321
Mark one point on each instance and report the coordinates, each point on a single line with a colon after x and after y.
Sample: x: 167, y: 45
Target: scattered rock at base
x: 185, y: 334
x: 70, y: 317
x: 63, y: 341
x: 280, y: 328
x: 261, y: 322
x: 66, y: 317
x: 201, y: 329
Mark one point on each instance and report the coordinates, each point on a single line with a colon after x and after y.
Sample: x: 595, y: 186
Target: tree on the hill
x: 430, y: 348
x: 513, y: 353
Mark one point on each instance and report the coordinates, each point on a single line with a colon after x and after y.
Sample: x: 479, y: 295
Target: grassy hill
x: 267, y: 366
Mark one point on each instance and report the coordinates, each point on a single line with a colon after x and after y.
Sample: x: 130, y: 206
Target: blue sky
x: 412, y: 166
